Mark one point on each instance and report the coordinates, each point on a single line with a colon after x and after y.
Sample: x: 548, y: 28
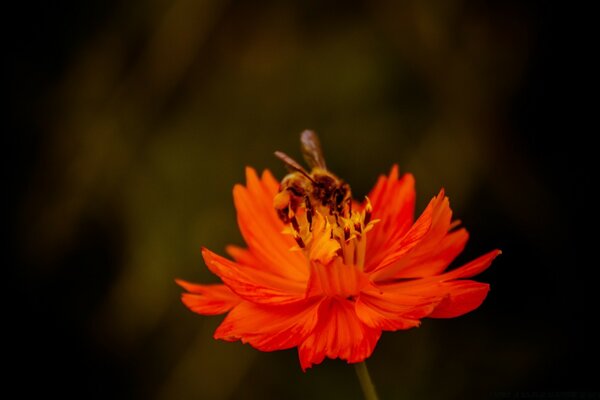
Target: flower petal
x: 393, y: 202
x: 243, y: 256
x: 335, y: 279
x: 472, y: 268
x: 253, y: 284
x: 338, y: 334
x: 425, y: 261
x: 391, y: 311
x: 269, y: 328
x: 393, y: 199
x: 430, y: 251
x: 208, y: 299
x: 452, y: 299
x: 261, y: 228
x: 420, y: 264
x: 412, y: 286
x: 457, y: 296
x: 396, y: 247
x: 462, y: 297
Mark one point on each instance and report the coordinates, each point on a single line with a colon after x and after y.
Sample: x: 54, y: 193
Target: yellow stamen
x: 322, y: 235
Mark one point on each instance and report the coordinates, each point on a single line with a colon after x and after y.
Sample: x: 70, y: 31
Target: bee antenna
x: 292, y: 164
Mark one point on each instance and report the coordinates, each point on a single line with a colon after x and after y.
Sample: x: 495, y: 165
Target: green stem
x: 365, y: 381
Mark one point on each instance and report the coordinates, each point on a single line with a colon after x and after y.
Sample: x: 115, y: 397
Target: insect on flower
x: 318, y: 188
x: 327, y: 274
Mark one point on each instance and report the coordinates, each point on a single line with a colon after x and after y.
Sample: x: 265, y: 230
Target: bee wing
x: 311, y: 149
x: 291, y: 163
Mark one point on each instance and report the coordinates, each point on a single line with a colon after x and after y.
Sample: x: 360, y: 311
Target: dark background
x: 129, y: 123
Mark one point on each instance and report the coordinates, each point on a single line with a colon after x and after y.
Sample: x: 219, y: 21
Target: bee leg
x: 333, y: 211
x: 283, y: 214
x: 350, y: 207
x: 295, y: 224
x: 309, y: 212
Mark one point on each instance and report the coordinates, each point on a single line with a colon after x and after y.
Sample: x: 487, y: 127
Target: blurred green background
x: 130, y: 122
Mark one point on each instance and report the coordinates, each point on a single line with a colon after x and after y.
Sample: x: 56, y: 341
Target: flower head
x: 327, y: 274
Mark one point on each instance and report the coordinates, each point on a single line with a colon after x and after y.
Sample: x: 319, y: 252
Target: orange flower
x: 330, y: 282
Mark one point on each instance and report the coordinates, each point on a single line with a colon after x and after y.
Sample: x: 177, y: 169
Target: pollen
x: 323, y: 234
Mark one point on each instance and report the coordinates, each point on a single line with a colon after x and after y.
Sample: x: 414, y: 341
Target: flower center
x: 323, y: 233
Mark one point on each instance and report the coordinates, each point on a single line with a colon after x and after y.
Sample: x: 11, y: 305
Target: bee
x: 318, y: 189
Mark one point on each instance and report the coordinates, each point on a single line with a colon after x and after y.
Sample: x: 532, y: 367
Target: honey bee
x: 318, y: 189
